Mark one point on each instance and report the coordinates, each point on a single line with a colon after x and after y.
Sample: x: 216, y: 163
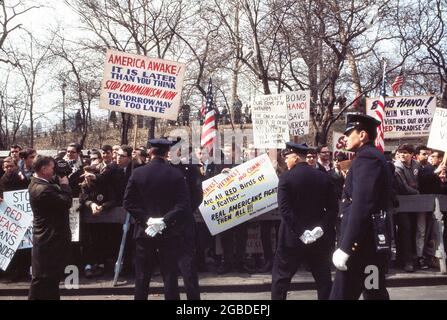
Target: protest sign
x: 339, y: 146
x: 246, y: 192
x: 74, y: 220
x: 438, y: 133
x: 13, y: 225
x: 270, y: 123
x: 20, y: 200
x: 405, y: 117
x: 298, y: 111
x: 141, y: 85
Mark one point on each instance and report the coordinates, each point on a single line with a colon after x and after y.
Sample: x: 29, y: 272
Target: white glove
x: 151, y: 231
x: 155, y: 225
x: 317, y: 233
x: 307, y: 237
x: 339, y: 258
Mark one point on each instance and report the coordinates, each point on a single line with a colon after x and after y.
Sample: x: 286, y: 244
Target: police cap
x: 293, y: 147
x: 356, y: 121
x: 161, y: 143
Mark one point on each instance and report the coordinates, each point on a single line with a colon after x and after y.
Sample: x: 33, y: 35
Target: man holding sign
x: 50, y: 204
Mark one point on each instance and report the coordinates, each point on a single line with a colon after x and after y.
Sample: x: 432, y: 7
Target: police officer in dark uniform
x: 157, y: 198
x: 367, y: 191
x: 308, y: 208
x: 188, y: 260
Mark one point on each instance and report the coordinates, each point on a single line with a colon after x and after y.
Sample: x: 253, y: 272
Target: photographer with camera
x: 50, y: 203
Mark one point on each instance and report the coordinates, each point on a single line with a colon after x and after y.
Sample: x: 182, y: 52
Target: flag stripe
x: 209, y: 129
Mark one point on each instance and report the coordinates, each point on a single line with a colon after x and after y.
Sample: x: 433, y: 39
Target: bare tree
x: 30, y: 63
x: 10, y: 12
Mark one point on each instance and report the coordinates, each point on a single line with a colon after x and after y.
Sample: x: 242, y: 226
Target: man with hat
x: 367, y: 191
x: 308, y: 208
x: 187, y: 261
x: 157, y: 197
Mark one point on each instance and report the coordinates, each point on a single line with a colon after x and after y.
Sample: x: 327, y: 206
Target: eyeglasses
x: 310, y: 157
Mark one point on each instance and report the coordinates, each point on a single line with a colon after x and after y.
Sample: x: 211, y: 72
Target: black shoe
x: 98, y: 271
x: 409, y: 267
x: 224, y: 269
x: 244, y: 269
x: 88, y: 273
x: 267, y: 267
x: 422, y: 264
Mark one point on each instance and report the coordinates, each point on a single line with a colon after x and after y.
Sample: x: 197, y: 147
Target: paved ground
x: 408, y: 293
x: 429, y: 284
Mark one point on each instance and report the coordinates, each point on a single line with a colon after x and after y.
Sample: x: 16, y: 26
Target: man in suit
x: 367, y: 191
x: 157, y: 197
x: 50, y: 203
x: 308, y: 209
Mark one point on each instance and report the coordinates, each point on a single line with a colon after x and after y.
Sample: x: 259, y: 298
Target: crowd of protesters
x: 99, y: 178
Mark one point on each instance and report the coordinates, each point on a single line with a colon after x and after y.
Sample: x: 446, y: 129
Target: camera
x: 62, y: 168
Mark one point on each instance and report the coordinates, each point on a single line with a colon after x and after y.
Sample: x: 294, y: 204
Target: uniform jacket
x: 51, y: 228
x: 306, y: 200
x: 193, y: 178
x: 367, y: 191
x: 157, y: 190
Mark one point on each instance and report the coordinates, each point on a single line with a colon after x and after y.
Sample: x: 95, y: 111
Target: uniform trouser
x: 235, y: 238
x: 287, y: 261
x: 188, y: 266
x: 44, y: 288
x: 358, y: 279
x: 146, y: 252
x: 406, y: 224
x: 266, y: 239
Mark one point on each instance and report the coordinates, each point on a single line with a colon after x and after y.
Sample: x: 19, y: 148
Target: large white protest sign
x: 13, y: 225
x: 141, y: 85
x: 438, y: 134
x: 339, y: 146
x: 405, y: 117
x: 20, y: 200
x: 270, y: 123
x: 298, y: 111
x: 246, y: 192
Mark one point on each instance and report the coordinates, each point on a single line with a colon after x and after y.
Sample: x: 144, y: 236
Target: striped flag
x: 379, y: 114
x: 397, y: 83
x: 209, y: 129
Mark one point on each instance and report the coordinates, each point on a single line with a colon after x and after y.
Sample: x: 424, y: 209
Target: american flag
x: 397, y: 83
x: 379, y: 114
x: 209, y: 130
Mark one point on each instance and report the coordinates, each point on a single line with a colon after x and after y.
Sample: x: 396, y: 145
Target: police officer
x: 366, y: 192
x: 308, y: 209
x: 157, y: 197
x: 187, y: 260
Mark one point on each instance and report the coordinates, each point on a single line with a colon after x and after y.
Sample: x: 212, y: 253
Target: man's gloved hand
x: 155, y: 225
x: 307, y: 237
x: 151, y: 231
x: 339, y: 258
x: 317, y: 233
